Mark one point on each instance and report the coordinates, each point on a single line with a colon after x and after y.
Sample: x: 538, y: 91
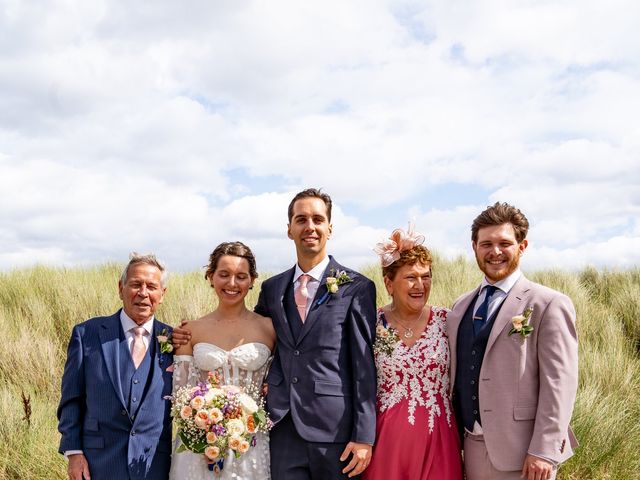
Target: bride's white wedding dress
x: 244, y: 366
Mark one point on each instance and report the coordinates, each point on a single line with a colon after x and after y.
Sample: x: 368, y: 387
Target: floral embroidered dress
x: 416, y: 433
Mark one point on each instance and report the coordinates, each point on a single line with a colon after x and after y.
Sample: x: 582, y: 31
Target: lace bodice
x: 420, y: 373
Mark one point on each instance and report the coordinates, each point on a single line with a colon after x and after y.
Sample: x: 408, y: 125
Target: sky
x: 169, y: 127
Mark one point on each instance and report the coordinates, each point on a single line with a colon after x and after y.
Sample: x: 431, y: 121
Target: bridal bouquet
x: 217, y: 420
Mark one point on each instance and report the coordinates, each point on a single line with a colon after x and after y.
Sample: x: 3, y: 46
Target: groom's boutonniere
x: 164, y: 340
x: 337, y: 278
x: 520, y: 323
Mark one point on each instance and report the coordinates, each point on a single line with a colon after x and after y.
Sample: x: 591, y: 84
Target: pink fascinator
x: 389, y: 250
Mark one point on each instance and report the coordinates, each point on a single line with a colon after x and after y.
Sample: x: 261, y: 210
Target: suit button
x: 472, y: 367
x: 475, y: 412
x: 136, y: 381
x: 296, y: 353
x: 123, y: 412
x: 133, y: 433
x: 473, y: 397
x: 473, y: 382
x: 294, y: 380
x: 134, y: 399
x: 473, y: 352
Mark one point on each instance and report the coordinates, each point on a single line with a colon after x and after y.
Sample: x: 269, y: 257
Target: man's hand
x: 536, y: 468
x: 78, y: 468
x: 180, y: 336
x: 359, y: 461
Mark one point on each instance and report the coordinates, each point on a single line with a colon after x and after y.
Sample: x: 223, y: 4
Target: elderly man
x: 514, y: 360
x: 113, y: 415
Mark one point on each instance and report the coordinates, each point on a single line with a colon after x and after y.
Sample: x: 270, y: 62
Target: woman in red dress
x: 416, y: 433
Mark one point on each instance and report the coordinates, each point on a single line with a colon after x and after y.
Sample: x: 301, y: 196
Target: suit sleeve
x: 70, y: 409
x: 558, y: 374
x: 261, y: 307
x: 362, y: 319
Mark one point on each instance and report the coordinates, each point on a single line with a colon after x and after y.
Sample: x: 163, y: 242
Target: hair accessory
x: 389, y: 250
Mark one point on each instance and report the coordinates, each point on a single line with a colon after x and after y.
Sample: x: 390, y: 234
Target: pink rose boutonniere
x: 164, y: 340
x: 520, y: 323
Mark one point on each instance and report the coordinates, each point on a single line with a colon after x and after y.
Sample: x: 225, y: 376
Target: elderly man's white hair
x: 136, y: 258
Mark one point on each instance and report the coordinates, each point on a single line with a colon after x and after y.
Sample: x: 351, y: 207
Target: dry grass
x: 39, y: 306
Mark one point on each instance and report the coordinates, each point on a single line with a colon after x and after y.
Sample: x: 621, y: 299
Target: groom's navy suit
x: 323, y: 374
x: 115, y: 414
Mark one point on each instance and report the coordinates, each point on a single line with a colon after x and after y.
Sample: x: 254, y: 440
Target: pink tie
x: 138, y: 348
x: 301, y: 295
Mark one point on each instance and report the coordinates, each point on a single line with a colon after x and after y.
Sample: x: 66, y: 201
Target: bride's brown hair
x: 235, y: 249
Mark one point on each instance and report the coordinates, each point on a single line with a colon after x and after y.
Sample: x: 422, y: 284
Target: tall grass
x: 39, y: 306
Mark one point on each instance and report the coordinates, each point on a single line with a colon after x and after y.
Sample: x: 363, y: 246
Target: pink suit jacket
x: 527, y: 386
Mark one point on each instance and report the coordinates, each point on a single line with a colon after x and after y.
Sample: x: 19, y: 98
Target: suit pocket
x: 525, y: 413
x: 92, y: 441
x: 90, y: 424
x: 333, y: 389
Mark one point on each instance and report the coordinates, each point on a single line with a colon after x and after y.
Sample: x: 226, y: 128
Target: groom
x: 514, y: 360
x: 322, y: 383
x: 113, y: 415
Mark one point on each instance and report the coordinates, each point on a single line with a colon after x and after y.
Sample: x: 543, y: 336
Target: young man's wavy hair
x: 499, y: 214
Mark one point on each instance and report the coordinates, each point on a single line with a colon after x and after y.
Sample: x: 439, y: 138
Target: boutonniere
x: 164, y: 340
x: 334, y: 281
x: 520, y: 323
x: 386, y: 341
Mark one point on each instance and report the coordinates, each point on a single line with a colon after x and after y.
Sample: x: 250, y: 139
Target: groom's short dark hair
x: 311, y: 193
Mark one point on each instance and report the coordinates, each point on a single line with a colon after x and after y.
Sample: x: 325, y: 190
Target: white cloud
x: 121, y: 124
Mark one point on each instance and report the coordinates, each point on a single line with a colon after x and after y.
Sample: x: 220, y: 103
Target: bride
x: 234, y: 343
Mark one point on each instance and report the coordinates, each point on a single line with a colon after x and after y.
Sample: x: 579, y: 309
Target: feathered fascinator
x: 390, y: 249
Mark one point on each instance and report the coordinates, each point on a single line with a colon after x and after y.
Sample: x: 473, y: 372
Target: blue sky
x: 153, y: 127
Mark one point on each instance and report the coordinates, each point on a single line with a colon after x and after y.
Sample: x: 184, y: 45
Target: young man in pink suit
x: 514, y: 360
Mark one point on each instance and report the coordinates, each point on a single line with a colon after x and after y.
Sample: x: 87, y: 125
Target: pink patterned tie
x: 301, y: 295
x: 138, y: 348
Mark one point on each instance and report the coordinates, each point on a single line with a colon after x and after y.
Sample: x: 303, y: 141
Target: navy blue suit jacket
x: 93, y: 415
x: 326, y: 377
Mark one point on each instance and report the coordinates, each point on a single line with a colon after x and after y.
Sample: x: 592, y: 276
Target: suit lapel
x: 156, y: 368
x: 279, y: 313
x: 316, y: 310
x: 513, y: 305
x: 110, y: 343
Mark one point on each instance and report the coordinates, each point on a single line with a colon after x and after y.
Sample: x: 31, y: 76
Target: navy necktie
x: 480, y: 318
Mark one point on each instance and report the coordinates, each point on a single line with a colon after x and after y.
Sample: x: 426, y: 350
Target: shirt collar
x: 128, y: 324
x: 316, y: 272
x: 505, y: 284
